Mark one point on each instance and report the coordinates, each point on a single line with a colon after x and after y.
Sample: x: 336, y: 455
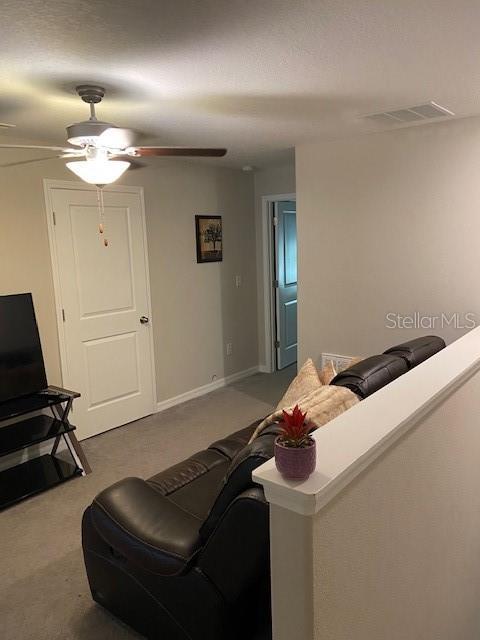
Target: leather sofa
x: 184, y: 555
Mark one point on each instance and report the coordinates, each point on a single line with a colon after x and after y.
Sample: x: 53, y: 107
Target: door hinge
x: 63, y: 314
x: 54, y: 216
x: 275, y: 284
x: 277, y: 344
x: 275, y: 221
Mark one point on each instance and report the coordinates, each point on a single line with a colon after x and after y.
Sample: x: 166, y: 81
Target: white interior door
x: 286, y: 282
x: 104, y: 292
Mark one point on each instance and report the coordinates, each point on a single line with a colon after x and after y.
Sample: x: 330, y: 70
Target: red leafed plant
x: 295, y: 429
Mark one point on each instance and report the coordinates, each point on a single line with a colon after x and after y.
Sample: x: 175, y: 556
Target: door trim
x: 48, y: 186
x: 268, y: 273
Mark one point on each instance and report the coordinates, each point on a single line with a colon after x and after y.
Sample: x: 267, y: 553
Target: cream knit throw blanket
x: 322, y: 405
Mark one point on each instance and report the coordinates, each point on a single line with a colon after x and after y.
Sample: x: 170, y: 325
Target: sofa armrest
x: 236, y: 555
x: 145, y: 527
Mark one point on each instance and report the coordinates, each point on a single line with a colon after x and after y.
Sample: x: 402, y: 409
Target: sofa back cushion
x: 306, y: 381
x: 239, y: 476
x: 416, y: 351
x: 371, y: 374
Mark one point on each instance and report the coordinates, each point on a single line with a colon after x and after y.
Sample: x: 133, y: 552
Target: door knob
x: 144, y: 320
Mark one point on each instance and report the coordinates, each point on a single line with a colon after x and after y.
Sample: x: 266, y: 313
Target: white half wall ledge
x: 351, y: 442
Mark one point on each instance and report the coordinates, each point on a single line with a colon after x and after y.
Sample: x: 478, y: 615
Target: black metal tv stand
x: 48, y: 470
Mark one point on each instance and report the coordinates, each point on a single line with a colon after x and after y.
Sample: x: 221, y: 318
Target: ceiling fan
x: 100, y: 151
x: 6, y: 125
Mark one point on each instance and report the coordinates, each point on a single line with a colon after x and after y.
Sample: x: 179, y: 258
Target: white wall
x: 268, y: 182
x: 389, y: 522
x: 387, y: 222
x: 196, y: 308
x: 397, y: 554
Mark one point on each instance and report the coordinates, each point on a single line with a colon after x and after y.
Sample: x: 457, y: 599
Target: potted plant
x: 295, y: 449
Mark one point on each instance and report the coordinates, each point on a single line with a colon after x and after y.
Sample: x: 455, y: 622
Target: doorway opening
x: 279, y: 229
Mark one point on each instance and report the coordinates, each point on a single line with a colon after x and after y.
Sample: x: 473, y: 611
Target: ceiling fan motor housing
x: 82, y: 134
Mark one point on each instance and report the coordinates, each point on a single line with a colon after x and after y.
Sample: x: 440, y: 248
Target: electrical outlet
x: 339, y: 362
x: 229, y: 348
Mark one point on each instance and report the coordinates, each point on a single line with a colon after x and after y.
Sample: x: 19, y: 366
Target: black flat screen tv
x: 22, y: 371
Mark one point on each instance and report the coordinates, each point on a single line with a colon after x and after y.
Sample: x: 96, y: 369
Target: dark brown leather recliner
x: 185, y: 554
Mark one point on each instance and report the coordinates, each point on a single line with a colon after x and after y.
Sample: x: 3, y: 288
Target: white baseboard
x: 206, y: 388
x: 263, y: 368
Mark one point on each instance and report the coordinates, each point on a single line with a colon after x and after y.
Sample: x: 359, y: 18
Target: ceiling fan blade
x: 36, y: 146
x: 7, y: 126
x: 116, y: 138
x: 135, y: 164
x: 73, y: 153
x: 177, y: 151
x: 20, y: 162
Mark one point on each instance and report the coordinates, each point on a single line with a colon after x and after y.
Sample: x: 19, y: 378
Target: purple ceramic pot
x: 293, y: 463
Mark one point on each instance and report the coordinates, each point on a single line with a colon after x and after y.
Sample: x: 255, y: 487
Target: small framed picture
x: 209, y: 238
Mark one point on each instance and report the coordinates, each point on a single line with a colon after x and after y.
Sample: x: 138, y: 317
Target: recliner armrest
x: 146, y: 527
x: 370, y: 375
x: 417, y: 350
x: 236, y: 555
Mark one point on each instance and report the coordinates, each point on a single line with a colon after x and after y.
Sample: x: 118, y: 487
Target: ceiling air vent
x: 421, y: 112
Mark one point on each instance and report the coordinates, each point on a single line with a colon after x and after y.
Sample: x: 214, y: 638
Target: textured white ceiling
x: 257, y: 76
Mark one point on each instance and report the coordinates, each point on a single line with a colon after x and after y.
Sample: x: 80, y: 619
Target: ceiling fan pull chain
x: 105, y: 241
x: 101, y: 215
x: 100, y: 225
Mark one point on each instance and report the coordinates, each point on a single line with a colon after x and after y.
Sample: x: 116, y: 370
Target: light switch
x: 238, y: 281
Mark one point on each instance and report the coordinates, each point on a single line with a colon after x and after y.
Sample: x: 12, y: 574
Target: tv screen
x: 22, y: 371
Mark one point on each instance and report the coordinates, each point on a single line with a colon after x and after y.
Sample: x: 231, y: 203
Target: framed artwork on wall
x: 208, y: 231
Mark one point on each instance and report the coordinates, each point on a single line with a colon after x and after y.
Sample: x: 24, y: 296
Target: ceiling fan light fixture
x: 98, y: 171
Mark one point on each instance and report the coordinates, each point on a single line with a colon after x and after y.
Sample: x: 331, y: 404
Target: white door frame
x: 48, y: 185
x: 268, y: 274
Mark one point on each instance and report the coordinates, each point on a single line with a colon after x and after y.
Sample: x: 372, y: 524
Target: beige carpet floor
x: 44, y: 593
